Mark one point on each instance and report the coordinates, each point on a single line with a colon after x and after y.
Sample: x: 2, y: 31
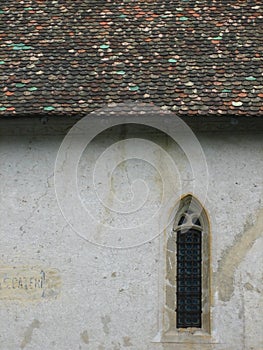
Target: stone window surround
x: 168, y: 332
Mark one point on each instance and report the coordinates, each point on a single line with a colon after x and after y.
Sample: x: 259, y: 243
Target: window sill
x: 185, y: 336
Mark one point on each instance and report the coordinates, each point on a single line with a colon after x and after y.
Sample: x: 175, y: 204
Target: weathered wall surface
x: 59, y: 291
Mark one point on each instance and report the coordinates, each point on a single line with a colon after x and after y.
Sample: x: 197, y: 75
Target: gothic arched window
x: 188, y: 273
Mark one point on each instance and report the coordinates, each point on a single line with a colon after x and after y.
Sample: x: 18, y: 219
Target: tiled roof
x: 72, y: 57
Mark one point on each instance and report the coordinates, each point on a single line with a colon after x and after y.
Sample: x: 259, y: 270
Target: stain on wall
x: 105, y: 321
x: 28, y: 333
x: 234, y: 255
x: 84, y: 337
x: 127, y: 341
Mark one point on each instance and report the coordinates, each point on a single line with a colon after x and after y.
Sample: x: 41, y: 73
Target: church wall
x: 70, y: 288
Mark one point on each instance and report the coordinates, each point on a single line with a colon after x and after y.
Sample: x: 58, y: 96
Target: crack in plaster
x: 37, y: 200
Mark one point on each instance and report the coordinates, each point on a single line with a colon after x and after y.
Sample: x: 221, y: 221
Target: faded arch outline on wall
x: 171, y: 333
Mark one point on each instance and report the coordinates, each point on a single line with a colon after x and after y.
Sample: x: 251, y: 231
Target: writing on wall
x: 28, y: 283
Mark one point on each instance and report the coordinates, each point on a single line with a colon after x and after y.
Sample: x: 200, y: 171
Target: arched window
x: 187, y: 304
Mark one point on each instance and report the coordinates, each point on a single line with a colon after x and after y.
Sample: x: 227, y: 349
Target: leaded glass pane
x: 189, y: 278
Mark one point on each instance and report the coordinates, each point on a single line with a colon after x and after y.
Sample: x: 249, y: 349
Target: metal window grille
x: 189, y: 278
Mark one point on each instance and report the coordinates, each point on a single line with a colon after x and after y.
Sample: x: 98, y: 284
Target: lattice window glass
x: 189, y: 278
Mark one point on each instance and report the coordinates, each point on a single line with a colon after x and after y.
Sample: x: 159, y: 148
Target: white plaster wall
x: 112, y: 298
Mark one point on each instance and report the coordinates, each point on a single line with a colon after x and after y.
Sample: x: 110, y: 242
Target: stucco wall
x: 106, y: 298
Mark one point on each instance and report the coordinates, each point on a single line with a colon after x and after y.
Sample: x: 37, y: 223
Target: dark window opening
x: 182, y: 220
x: 189, y: 278
x: 196, y: 221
